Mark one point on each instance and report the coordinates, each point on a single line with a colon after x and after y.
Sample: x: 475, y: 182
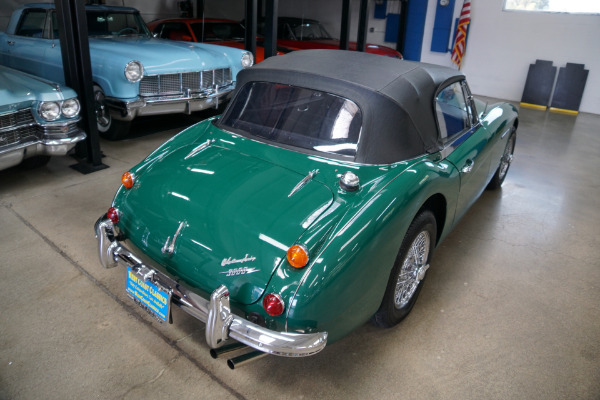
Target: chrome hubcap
x: 413, y: 269
x: 102, y: 116
x: 507, y: 158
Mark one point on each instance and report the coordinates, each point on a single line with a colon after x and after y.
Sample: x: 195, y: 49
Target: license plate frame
x: 151, y: 297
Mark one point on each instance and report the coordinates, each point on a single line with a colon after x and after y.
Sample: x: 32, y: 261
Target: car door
x: 466, y: 142
x: 33, y: 48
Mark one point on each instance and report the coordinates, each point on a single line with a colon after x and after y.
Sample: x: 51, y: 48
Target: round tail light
x: 297, y: 256
x: 273, y: 304
x: 128, y: 179
x: 113, y: 215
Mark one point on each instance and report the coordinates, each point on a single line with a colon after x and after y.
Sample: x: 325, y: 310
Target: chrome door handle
x: 468, y: 167
x: 10, y: 42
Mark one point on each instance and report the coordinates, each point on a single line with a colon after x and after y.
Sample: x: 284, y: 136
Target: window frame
x: 305, y: 150
x: 45, y: 28
x: 450, y: 143
x: 469, y: 107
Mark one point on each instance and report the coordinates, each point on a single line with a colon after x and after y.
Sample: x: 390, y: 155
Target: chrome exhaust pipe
x: 245, y: 359
x: 230, y: 348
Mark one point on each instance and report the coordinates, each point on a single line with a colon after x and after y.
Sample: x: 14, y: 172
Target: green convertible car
x: 312, y: 205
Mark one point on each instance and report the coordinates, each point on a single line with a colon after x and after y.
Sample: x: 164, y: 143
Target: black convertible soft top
x: 396, y: 97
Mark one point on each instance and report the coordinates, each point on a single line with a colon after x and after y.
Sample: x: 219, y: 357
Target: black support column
x: 250, y: 21
x: 199, y: 11
x: 345, y: 28
x: 362, y: 26
x: 402, y: 26
x: 271, y: 28
x: 75, y: 50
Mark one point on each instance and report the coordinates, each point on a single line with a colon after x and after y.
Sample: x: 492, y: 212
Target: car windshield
x: 218, y: 31
x: 295, y: 116
x: 309, y: 31
x: 111, y: 23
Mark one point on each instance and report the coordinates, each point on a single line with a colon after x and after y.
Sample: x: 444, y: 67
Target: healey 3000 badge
x: 241, y: 270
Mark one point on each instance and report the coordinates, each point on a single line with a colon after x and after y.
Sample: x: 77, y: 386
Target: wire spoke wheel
x: 413, y: 270
x: 409, y: 271
x: 507, y: 157
x: 505, y: 161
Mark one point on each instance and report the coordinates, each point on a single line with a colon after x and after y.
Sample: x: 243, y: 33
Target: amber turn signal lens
x: 113, y: 215
x: 128, y: 180
x: 273, y: 304
x: 297, y: 256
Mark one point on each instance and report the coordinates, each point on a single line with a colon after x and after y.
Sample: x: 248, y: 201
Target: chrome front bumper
x: 47, y: 145
x: 127, y: 110
x: 221, y: 323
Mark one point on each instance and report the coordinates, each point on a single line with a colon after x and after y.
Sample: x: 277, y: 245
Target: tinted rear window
x: 294, y: 116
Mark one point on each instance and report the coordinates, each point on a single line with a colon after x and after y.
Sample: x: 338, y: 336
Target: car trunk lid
x: 227, y: 217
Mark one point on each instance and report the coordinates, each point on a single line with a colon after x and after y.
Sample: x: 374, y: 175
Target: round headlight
x: 134, y: 71
x: 49, y: 110
x: 247, y: 60
x: 70, y: 108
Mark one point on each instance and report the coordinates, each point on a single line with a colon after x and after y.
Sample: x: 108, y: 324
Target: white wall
x: 501, y: 46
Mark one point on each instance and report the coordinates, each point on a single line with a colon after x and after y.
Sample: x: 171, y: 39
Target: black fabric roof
x: 396, y: 97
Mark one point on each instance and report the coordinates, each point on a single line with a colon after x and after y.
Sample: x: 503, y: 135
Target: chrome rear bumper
x: 221, y: 323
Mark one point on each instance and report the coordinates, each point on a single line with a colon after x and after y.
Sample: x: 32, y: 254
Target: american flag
x: 458, y: 50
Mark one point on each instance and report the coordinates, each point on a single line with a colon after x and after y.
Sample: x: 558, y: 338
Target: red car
x: 302, y: 34
x: 223, y: 32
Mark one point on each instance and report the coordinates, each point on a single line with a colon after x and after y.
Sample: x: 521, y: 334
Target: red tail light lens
x: 273, y: 304
x: 128, y: 179
x: 113, y: 215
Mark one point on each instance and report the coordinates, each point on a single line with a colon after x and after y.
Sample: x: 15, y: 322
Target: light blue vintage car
x: 134, y: 73
x: 38, y: 119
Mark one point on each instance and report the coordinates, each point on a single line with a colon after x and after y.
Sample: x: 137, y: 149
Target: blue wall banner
x: 442, y: 27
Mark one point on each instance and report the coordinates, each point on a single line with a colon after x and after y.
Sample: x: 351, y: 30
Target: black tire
x: 108, y: 127
x: 35, y: 162
x: 505, y: 161
x: 401, y: 294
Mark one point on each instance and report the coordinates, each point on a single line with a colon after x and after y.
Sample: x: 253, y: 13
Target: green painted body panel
x: 233, y: 197
x: 239, y: 220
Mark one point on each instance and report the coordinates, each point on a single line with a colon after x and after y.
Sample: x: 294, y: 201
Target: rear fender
x: 344, y: 283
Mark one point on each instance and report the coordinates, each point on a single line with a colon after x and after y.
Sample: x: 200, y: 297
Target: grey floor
x: 510, y: 310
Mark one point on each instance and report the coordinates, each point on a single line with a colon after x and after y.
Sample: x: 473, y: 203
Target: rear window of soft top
x: 295, y: 116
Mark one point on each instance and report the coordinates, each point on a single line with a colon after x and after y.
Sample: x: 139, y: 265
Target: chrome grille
x: 17, y: 127
x: 20, y: 135
x: 170, y: 84
x: 16, y: 118
x: 8, y: 138
x: 149, y: 85
x: 191, y: 80
x: 207, y: 77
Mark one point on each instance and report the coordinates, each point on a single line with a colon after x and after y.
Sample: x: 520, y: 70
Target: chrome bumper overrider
x: 221, y: 323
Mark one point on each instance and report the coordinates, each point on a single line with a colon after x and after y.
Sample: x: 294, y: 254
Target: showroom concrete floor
x: 510, y: 310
